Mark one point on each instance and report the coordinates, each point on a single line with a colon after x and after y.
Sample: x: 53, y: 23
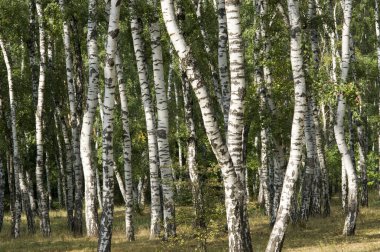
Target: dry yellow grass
x: 318, y: 234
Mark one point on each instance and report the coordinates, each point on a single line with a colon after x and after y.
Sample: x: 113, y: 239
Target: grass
x: 318, y: 234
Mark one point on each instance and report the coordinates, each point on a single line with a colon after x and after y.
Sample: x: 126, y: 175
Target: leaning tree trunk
x: 239, y: 238
x: 296, y: 143
x: 127, y: 149
x: 20, y: 184
x: 166, y: 168
x: 41, y: 192
x: 91, y: 213
x: 105, y: 233
x: 138, y: 45
x: 352, y: 206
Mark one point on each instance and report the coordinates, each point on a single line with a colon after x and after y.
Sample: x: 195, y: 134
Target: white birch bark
x: 350, y: 222
x: 224, y: 75
x: 127, y: 149
x: 139, y: 50
x: 91, y: 213
x: 20, y: 185
x: 105, y: 233
x: 41, y: 192
x: 325, y: 201
x: 309, y: 163
x: 162, y: 132
x: 296, y: 143
x: 75, y: 126
x: 239, y: 238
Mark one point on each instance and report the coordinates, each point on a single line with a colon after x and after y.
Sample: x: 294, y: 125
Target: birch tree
x: 224, y: 75
x: 105, y: 233
x: 41, y: 192
x: 296, y: 142
x: 350, y: 222
x: 165, y: 162
x: 238, y: 227
x: 91, y: 213
x: 74, y: 124
x: 20, y: 185
x: 138, y: 45
x: 127, y: 149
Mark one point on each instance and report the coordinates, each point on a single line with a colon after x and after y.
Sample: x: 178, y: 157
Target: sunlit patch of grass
x: 318, y: 234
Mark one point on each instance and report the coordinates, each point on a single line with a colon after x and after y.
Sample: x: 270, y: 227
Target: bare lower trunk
x: 127, y: 150
x: 105, y: 231
x: 91, y: 213
x: 277, y: 235
x: 41, y: 192
x: 20, y: 185
x: 347, y: 163
x: 138, y: 45
x: 166, y: 168
x: 238, y: 227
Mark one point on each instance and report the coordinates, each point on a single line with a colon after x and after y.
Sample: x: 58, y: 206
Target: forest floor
x: 318, y: 234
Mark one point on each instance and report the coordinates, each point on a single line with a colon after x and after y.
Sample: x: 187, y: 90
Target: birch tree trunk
x: 91, y: 213
x: 224, y: 76
x: 41, y: 192
x: 350, y: 222
x: 138, y: 46
x: 162, y: 132
x: 75, y: 127
x: 296, y: 143
x: 20, y: 185
x: 127, y: 149
x: 105, y: 233
x: 238, y: 228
